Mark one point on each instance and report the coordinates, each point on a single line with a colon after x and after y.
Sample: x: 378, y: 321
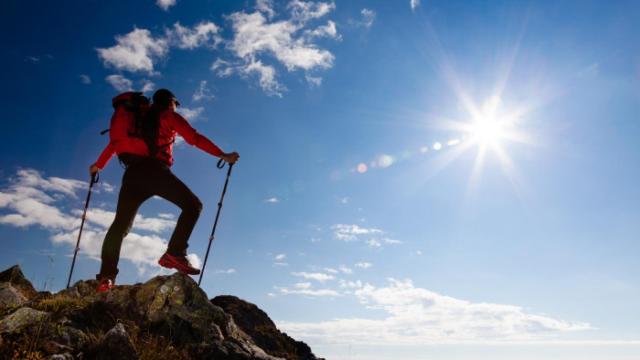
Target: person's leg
x: 169, y: 187
x: 129, y: 200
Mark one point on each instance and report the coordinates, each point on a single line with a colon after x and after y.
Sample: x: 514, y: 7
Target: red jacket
x: 171, y: 123
x: 120, y: 141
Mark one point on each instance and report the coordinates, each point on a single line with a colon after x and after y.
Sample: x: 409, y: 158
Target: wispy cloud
x: 272, y: 200
x: 347, y: 232
x: 119, y: 82
x: 309, y: 292
x: 363, y: 265
x: 321, y: 277
x: 147, y: 86
x: 85, y: 79
x: 226, y: 271
x: 165, y: 4
x: 203, y: 34
x: 202, y: 92
x: 417, y: 316
x: 414, y: 4
x: 191, y: 114
x: 368, y: 17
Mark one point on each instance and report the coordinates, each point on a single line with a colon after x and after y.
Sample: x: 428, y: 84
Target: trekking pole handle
x: 220, y: 164
x: 95, y: 177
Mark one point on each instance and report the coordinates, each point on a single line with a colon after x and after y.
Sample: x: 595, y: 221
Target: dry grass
x: 58, y: 303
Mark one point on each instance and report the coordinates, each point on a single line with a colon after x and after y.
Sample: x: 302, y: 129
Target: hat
x: 164, y: 97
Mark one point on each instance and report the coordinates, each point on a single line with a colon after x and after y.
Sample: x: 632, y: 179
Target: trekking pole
x: 220, y: 165
x: 94, y: 180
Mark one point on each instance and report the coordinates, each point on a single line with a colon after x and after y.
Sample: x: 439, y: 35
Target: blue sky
x: 418, y: 179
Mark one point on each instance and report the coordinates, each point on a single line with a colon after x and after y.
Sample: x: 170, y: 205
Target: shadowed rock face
x: 262, y: 330
x: 15, y: 290
x: 166, y: 317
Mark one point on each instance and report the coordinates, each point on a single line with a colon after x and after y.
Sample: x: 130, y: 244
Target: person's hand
x: 231, y: 157
x: 93, y: 169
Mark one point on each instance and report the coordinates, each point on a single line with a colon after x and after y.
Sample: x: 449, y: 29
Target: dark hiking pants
x: 141, y: 181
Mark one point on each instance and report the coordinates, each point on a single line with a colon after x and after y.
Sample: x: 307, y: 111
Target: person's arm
x: 192, y: 137
x: 103, y: 159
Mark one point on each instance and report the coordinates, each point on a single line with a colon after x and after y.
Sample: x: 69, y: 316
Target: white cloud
x: 135, y: 51
x: 374, y: 243
x: 417, y: 316
x: 35, y: 200
x: 302, y: 285
x: 280, y: 257
x: 119, y: 82
x: 147, y: 86
x: 255, y: 36
x: 344, y: 284
x: 168, y: 216
x: 106, y: 187
x: 165, y: 4
x: 85, y: 79
x: 191, y: 114
x: 391, y: 241
x: 203, y: 34
x: 321, y: 277
x: 202, y: 93
x: 331, y: 270
x: 368, y: 17
x: 304, y: 11
x: 346, y: 232
x: 313, y: 80
x: 272, y: 200
x: 279, y: 263
x: 414, y: 4
x: 329, y: 31
x: 104, y: 218
x: 265, y: 7
x: 309, y: 292
x: 346, y: 270
x: 363, y: 265
x: 226, y: 271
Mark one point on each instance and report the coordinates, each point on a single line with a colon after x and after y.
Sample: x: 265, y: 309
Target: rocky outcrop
x: 15, y: 289
x: 262, y: 330
x: 166, y: 317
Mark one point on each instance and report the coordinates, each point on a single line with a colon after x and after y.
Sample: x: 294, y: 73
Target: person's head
x: 165, y: 99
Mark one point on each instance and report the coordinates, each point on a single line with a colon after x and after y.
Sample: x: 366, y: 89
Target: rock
x: 10, y: 296
x: 22, y: 318
x: 116, y: 344
x: 15, y: 277
x: 52, y: 347
x: 168, y: 316
x: 264, y: 333
x: 15, y: 289
x: 65, y: 356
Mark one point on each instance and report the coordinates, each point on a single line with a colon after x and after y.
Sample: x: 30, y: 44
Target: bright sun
x: 487, y: 126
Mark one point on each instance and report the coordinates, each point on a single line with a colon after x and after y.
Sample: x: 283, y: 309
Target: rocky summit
x: 168, y: 317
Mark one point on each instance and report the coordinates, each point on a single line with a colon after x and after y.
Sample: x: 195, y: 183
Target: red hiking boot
x: 179, y: 263
x: 105, y: 284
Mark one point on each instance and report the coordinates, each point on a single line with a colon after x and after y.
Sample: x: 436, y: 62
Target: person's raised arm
x: 103, y: 159
x: 192, y: 137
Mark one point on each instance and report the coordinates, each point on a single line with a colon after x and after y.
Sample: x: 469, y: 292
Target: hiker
x: 148, y: 173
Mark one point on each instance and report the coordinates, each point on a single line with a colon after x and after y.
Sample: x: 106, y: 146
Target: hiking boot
x: 105, y: 284
x: 179, y: 263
